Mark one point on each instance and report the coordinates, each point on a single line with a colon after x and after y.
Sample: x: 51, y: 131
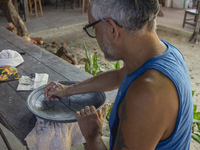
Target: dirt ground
x: 190, y: 51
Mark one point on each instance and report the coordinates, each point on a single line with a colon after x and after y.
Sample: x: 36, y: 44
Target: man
x: 153, y: 108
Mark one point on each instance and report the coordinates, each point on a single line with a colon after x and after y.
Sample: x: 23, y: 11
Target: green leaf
x: 108, y: 114
x: 196, y: 137
x: 94, y: 73
x: 194, y: 108
x: 193, y: 91
x: 91, y: 58
x: 95, y: 65
x: 86, y: 67
x: 196, y: 116
x: 117, y: 66
x: 86, y: 53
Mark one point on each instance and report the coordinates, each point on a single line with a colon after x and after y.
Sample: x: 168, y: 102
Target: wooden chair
x: 193, y: 21
x: 35, y: 4
x: 84, y: 8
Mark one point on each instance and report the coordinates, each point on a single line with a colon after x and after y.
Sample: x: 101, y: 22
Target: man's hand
x: 90, y: 122
x: 53, y: 94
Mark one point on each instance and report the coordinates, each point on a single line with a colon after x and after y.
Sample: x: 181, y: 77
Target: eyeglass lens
x: 91, y: 31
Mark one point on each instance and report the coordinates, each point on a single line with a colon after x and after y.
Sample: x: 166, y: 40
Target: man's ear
x: 114, y: 29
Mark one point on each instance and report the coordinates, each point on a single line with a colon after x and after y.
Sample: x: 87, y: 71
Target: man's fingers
x: 48, y: 88
x: 51, y: 95
x: 57, y: 99
x: 52, y: 98
x: 52, y: 92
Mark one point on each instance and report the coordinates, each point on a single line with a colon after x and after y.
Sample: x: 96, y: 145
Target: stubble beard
x: 107, y: 49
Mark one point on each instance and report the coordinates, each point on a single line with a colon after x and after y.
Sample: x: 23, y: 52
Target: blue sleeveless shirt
x: 171, y: 64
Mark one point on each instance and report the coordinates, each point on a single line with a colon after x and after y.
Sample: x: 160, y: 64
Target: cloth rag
x: 48, y: 135
x: 28, y: 83
x: 8, y: 73
x: 10, y: 58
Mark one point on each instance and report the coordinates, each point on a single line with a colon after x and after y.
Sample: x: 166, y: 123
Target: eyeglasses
x: 89, y: 29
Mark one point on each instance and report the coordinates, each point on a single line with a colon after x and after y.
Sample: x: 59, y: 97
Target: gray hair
x: 134, y: 15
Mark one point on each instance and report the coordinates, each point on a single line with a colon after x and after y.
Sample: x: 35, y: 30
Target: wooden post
x: 30, y: 6
x: 83, y: 7
x: 35, y: 3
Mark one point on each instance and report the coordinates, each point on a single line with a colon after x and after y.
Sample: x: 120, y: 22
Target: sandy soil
x: 190, y: 51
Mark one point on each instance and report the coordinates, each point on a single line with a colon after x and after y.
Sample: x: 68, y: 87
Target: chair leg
x: 35, y: 8
x: 41, y: 8
x: 30, y: 5
x: 5, y: 140
x: 193, y: 34
x: 196, y: 38
x: 184, y: 19
x: 83, y: 7
x: 196, y: 30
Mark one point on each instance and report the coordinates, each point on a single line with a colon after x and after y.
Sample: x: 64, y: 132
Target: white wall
x: 176, y: 3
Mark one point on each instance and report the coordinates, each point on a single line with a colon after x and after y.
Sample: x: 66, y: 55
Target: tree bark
x: 12, y: 16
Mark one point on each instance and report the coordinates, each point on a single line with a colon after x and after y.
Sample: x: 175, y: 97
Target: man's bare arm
x: 147, y: 113
x: 106, y: 81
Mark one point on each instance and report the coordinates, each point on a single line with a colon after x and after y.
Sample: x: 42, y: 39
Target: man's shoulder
x: 151, y: 87
x: 151, y: 80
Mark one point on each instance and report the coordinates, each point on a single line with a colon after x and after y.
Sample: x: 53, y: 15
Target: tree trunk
x: 12, y: 16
